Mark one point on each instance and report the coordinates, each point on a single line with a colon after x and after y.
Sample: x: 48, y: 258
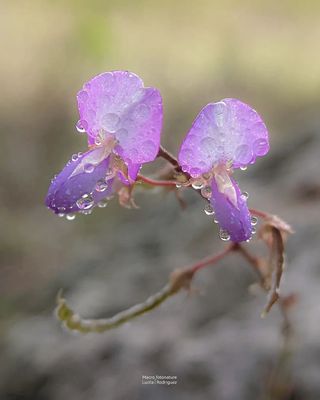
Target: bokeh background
x: 265, y: 53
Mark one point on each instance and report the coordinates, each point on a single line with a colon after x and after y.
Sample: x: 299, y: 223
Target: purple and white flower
x: 123, y: 122
x: 224, y: 136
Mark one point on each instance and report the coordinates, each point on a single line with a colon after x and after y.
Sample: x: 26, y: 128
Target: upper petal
x: 228, y: 130
x: 81, y: 184
x: 118, y: 103
x: 233, y: 216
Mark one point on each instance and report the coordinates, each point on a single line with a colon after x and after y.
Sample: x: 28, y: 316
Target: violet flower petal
x: 117, y: 103
x: 236, y: 221
x: 133, y: 170
x: 225, y: 131
x: 82, y: 177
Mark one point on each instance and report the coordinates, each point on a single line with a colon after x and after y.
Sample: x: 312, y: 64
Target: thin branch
x: 179, y: 279
x: 154, y: 182
x: 212, y: 260
x: 166, y: 155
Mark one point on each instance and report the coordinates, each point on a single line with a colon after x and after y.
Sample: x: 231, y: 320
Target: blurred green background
x: 265, y: 53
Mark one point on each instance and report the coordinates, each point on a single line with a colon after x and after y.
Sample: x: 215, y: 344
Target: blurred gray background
x: 265, y: 53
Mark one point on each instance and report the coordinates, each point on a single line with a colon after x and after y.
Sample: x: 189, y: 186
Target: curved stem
x: 154, y: 182
x: 179, y: 279
x: 213, y: 259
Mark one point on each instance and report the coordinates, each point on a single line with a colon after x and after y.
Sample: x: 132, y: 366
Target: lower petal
x: 233, y: 216
x: 81, y: 184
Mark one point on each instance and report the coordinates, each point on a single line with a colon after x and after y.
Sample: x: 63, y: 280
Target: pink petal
x: 225, y: 131
x: 117, y: 103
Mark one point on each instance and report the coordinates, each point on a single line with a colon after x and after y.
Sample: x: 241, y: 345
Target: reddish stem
x: 211, y: 259
x: 154, y: 182
x: 259, y: 213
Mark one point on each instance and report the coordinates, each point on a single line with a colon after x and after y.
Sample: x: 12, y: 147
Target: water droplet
x: 186, y: 155
x: 80, y: 154
x: 81, y: 126
x: 178, y: 185
x: 121, y: 134
x: 219, y: 113
x: 109, y: 172
x: 253, y: 231
x: 61, y: 215
x: 85, y: 202
x: 142, y: 111
x: 224, y: 235
x: 101, y: 185
x: 198, y: 184
x: 86, y: 212
x: 74, y: 157
x: 149, y: 148
x: 245, y: 195
x: 71, y: 217
x: 206, y: 192
x: 103, y: 203
x: 97, y: 141
x: 110, y: 121
x: 260, y: 147
x: 88, y: 168
x: 243, y: 168
x: 215, y: 221
x: 83, y: 96
x: 208, y: 142
x: 254, y: 220
x: 208, y: 209
x: 243, y: 154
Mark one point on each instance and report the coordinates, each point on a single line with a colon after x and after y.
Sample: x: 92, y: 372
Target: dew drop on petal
x: 224, y: 235
x: 209, y: 210
x: 109, y: 173
x: 243, y: 154
x: 88, y: 168
x: 197, y: 185
x: 81, y: 125
x: 74, y: 157
x: 254, y: 220
x: 149, y: 147
x: 85, y: 202
x: 103, y: 203
x: 61, y: 215
x: 71, y: 217
x: 243, y: 168
x: 97, y: 141
x: 86, y: 212
x: 245, y: 195
x: 219, y: 113
x: 178, y: 185
x: 110, y: 121
x: 121, y: 134
x: 101, y: 185
x: 253, y: 231
x: 194, y: 172
x: 208, y: 143
x: 260, y: 147
x: 206, y: 192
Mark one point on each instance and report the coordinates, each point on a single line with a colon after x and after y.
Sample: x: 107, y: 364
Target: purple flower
x: 225, y: 135
x: 123, y: 122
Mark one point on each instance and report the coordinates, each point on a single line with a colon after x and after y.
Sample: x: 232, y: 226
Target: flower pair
x: 123, y: 122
